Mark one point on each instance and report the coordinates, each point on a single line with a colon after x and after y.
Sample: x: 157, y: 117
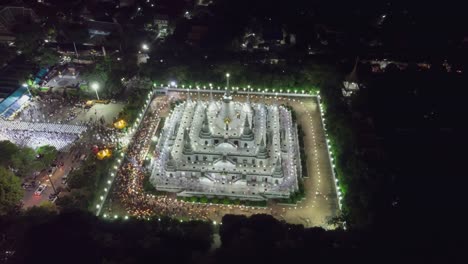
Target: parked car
x: 54, y: 196
x: 26, y: 185
x: 40, y: 189
x: 65, y: 178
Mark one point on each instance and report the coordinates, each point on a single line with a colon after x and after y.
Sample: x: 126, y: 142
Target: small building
x: 103, y: 28
x: 351, y: 82
x: 161, y: 22
x: 10, y: 105
x: 9, y: 16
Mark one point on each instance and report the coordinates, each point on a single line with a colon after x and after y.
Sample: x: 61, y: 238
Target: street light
x: 227, y: 80
x: 145, y: 46
x: 95, y: 87
x: 27, y: 87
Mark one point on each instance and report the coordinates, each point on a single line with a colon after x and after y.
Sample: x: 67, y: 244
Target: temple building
x: 226, y: 148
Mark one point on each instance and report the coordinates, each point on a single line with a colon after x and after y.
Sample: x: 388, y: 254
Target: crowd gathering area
x: 128, y: 197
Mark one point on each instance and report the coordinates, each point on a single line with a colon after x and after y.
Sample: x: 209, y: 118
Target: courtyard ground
x: 320, y: 203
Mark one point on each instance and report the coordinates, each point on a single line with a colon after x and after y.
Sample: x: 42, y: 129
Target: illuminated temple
x: 226, y: 148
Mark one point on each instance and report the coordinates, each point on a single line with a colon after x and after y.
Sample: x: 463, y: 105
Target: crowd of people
x: 50, y: 108
x: 130, y: 177
x: 34, y: 135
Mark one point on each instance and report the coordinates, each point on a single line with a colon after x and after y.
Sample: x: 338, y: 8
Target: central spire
x: 187, y: 142
x: 205, y: 131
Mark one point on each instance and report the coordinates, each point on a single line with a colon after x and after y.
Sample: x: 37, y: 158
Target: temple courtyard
x: 316, y: 209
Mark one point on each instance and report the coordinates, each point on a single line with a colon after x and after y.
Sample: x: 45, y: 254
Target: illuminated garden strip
x: 130, y: 134
x: 239, y: 90
x: 332, y: 165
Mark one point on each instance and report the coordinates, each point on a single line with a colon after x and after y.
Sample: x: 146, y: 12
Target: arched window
x: 245, y: 145
x: 206, y: 142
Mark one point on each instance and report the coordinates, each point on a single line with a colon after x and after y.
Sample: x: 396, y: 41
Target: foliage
x: 99, y: 72
x: 48, y: 154
x: 49, y: 206
x: 25, y: 162
x: 341, y: 134
x: 10, y: 191
x: 75, y: 32
x: 84, y: 183
x: 78, y: 179
x: 102, y: 241
x: 8, y: 54
x: 28, y: 36
x: 47, y: 57
x: 225, y: 200
x: 259, y: 238
x: 108, y: 73
x: 77, y: 199
x: 8, y: 150
x: 133, y: 107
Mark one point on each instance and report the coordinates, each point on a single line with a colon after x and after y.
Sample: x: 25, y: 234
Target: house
x: 351, y: 82
x: 14, y: 94
x: 203, y: 2
x: 161, y: 22
x: 9, y: 16
x: 103, y: 28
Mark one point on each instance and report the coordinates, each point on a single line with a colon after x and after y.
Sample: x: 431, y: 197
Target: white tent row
x: 61, y: 141
x: 29, y: 134
x: 44, y: 127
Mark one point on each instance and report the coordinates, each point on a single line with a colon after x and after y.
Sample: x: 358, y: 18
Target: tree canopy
x: 47, y: 154
x: 28, y: 36
x: 10, y: 191
x: 47, y: 57
x: 8, y: 149
x: 24, y: 160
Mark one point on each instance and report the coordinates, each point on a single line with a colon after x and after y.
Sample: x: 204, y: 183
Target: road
x: 108, y: 112
x: 29, y: 199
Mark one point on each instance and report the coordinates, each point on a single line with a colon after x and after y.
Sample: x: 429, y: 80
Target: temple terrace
x: 225, y: 148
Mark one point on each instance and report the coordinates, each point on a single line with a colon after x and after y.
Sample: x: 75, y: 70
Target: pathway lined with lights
x: 237, y: 90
